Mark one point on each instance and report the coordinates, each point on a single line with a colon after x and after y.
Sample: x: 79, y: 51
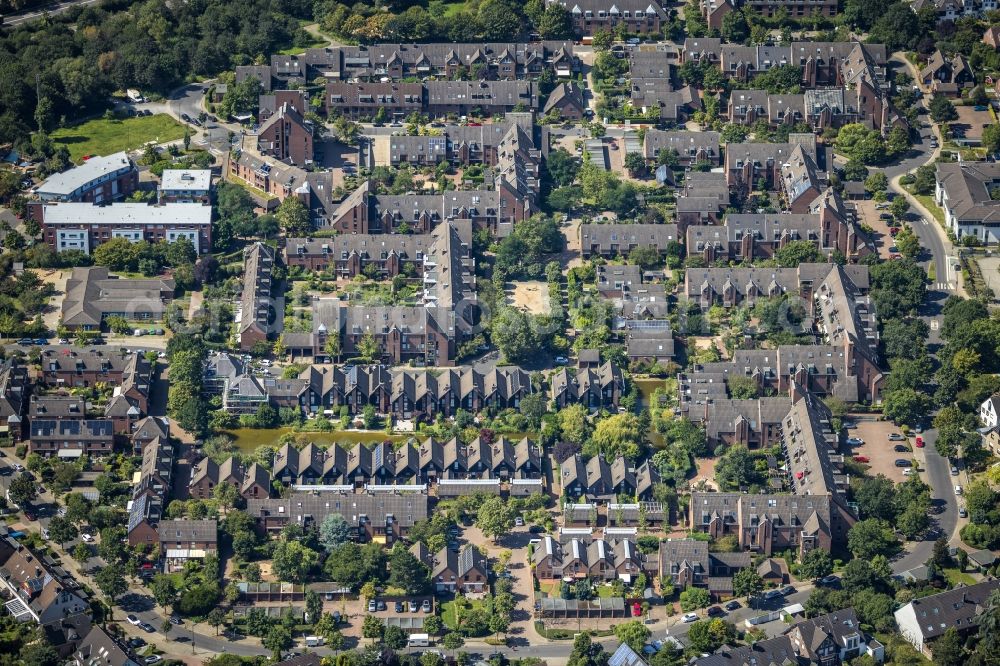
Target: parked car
x: 690, y: 617
x: 829, y: 580
x: 519, y: 521
x: 715, y: 611
x: 147, y: 627
x: 380, y: 605
x: 958, y: 490
x: 733, y: 605
x: 908, y: 471
x: 399, y: 606
x: 787, y: 590
x: 87, y: 538
x: 153, y: 659
x: 176, y: 620
x: 855, y: 441
x: 426, y: 606
x: 954, y: 471
x: 896, y: 437
x: 133, y: 620
x: 903, y: 462
x: 136, y: 642
x: 962, y: 512
x: 412, y: 606
x: 372, y: 606
x: 919, y: 442
x: 861, y: 459
x: 901, y: 448
x: 560, y: 360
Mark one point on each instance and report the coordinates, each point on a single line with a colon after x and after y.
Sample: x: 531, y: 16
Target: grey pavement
x: 35, y: 13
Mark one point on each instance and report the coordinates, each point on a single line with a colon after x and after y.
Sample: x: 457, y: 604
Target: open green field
x: 103, y: 137
x: 448, y: 9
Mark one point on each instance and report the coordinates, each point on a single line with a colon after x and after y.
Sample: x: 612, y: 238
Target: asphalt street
x: 38, y: 12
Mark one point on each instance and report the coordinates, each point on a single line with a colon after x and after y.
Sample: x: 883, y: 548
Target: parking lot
x: 385, y: 607
x: 868, y: 214
x: 878, y: 449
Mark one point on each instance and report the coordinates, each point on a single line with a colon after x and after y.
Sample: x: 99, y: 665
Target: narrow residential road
x: 35, y: 13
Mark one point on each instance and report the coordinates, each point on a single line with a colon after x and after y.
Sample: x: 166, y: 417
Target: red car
x: 861, y: 459
x: 893, y: 231
x: 920, y: 442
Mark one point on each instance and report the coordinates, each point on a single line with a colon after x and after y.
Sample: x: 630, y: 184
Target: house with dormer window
x: 638, y: 17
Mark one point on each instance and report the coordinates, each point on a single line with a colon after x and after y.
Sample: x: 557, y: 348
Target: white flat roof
x: 127, y: 214
x: 186, y: 179
x: 70, y: 181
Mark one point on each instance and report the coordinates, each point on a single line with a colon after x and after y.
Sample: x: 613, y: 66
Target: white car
x: 86, y: 538
x: 958, y: 490
x: 909, y: 471
x: 690, y: 617
x: 133, y: 620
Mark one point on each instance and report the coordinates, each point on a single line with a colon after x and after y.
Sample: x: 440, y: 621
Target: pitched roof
x: 91, y: 294
x: 66, y: 183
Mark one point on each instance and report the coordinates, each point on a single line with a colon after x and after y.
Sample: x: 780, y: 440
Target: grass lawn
x: 260, y: 194
x: 296, y: 50
x: 954, y: 577
x: 448, y: 616
x: 103, y: 137
x: 449, y: 9
x: 928, y: 202
x: 605, y: 591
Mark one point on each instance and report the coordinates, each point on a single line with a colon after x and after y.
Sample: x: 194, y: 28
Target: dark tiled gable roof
x: 99, y: 649
x: 768, y: 227
x: 374, y: 94
x: 482, y: 93
x: 460, y: 562
x: 783, y: 509
x: 91, y: 293
x: 260, y: 72
x: 798, y: 53
x: 955, y: 608
x: 254, y: 303
x: 13, y: 381
x: 721, y: 415
x: 611, y: 6
x: 83, y: 430
x: 812, y: 447
x: 967, y: 188
x: 685, y: 143
x: 200, y: 531
x: 760, y: 153
x: 605, y: 235
x: 679, y: 552
x: 367, y: 59
x: 456, y: 203
x: 405, y: 509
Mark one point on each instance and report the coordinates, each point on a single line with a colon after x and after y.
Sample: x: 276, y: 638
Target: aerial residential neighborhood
x: 566, y: 332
